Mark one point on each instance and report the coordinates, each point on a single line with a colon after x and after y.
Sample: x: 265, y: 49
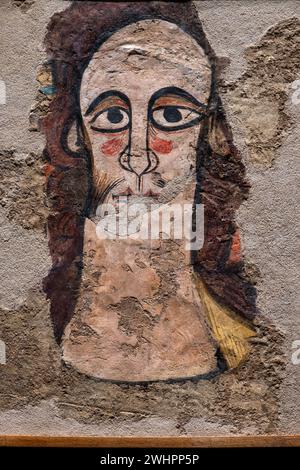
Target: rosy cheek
x: 112, y: 147
x: 161, y: 146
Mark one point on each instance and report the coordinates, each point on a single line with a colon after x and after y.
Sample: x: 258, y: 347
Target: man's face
x: 143, y: 98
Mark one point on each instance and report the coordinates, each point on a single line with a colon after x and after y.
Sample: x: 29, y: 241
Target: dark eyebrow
x: 172, y: 90
x: 103, y: 96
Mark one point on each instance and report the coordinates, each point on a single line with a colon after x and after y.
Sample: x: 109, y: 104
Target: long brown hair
x: 72, y: 38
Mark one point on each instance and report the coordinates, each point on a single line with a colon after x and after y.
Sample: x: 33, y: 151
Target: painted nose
x: 138, y: 158
x: 138, y: 161
x: 138, y: 152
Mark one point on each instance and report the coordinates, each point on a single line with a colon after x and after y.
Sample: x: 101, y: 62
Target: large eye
x: 114, y: 119
x: 171, y: 118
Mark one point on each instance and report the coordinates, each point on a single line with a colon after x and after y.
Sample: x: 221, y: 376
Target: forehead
x: 143, y: 57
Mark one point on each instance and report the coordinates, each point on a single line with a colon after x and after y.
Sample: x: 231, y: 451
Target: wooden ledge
x: 167, y: 442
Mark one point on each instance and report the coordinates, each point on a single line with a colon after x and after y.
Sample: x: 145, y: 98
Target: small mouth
x: 128, y: 192
x: 150, y: 193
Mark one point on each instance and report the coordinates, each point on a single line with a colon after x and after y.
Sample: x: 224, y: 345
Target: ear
x: 219, y: 134
x: 74, y: 136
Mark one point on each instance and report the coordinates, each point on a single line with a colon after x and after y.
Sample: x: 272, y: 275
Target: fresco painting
x: 136, y: 118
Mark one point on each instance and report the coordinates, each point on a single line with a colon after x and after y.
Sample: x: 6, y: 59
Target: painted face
x: 143, y: 98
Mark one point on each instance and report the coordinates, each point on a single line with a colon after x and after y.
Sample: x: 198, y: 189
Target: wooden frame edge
x: 167, y: 442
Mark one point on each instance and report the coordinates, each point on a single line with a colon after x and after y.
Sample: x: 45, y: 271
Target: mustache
x: 176, y: 186
x: 102, y: 186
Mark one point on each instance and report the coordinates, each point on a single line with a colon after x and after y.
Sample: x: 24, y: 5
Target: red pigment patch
x: 48, y: 169
x: 112, y: 147
x: 235, y: 252
x: 161, y: 146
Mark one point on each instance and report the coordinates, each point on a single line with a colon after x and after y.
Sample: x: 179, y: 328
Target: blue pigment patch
x: 48, y: 90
